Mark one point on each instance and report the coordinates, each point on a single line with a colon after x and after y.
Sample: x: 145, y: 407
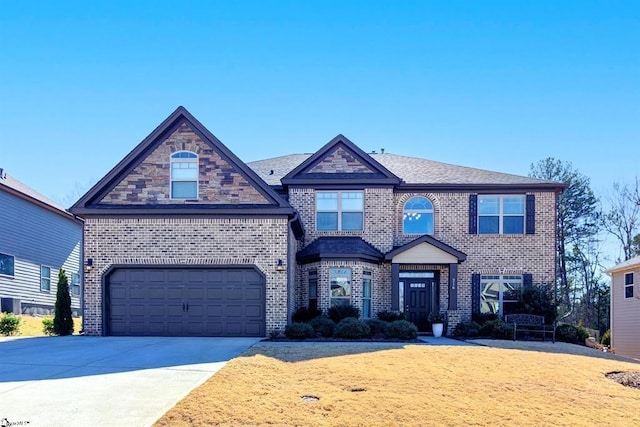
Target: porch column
x: 453, y: 286
x: 395, y: 292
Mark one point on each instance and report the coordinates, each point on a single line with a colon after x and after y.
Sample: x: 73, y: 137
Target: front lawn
x: 410, y: 385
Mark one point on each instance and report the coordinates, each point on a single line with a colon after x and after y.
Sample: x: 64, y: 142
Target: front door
x: 419, y: 296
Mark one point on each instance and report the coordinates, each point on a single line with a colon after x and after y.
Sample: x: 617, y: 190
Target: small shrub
x: 495, y: 329
x: 352, y: 328
x: 436, y: 317
x: 305, y: 314
x: 606, y: 338
x: 572, y: 334
x: 402, y: 330
x: 339, y: 312
x: 391, y: 316
x: 467, y: 329
x: 323, y: 325
x: 299, y: 331
x: 47, y: 326
x: 9, y: 324
x: 481, y: 318
x: 378, y: 327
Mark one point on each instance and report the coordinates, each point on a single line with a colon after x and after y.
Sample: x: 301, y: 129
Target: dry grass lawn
x: 31, y: 326
x: 410, y: 385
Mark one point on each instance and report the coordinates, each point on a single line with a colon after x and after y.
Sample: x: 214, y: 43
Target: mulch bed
x: 629, y: 379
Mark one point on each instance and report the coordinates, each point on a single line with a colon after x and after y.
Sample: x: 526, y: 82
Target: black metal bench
x: 531, y: 324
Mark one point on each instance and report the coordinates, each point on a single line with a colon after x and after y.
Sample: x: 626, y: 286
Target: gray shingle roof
x: 10, y: 182
x: 626, y: 265
x: 339, y: 246
x: 411, y: 170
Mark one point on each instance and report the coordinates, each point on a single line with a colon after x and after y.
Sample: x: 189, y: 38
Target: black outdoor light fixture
x: 280, y: 265
x: 89, y: 264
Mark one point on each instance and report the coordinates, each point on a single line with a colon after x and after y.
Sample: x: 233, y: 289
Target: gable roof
x: 12, y: 186
x: 461, y: 256
x: 339, y: 247
x: 90, y: 202
x: 629, y: 264
x: 310, y: 171
x: 414, y: 173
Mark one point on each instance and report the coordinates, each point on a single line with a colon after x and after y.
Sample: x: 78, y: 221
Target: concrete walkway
x: 104, y: 381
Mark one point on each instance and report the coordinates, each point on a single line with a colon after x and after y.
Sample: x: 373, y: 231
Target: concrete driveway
x: 104, y: 381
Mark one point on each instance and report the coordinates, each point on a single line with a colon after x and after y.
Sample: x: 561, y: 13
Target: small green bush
x: 495, y: 329
x: 467, y: 329
x: 572, y: 334
x: 402, y: 330
x: 606, y: 338
x: 352, y: 328
x: 323, y: 325
x: 305, y: 314
x: 47, y: 326
x: 339, y: 312
x: 391, y: 316
x: 299, y: 331
x: 9, y: 324
x: 377, y: 327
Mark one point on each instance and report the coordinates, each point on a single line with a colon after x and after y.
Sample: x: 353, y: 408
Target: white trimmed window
x: 7, y: 265
x: 417, y: 216
x: 628, y: 285
x: 366, y: 294
x: 340, y: 283
x: 498, y: 292
x: 339, y: 210
x: 501, y: 214
x: 184, y: 175
x: 45, y: 278
x: 74, y: 289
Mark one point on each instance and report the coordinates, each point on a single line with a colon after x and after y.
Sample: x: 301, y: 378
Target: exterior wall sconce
x: 280, y: 266
x: 89, y: 265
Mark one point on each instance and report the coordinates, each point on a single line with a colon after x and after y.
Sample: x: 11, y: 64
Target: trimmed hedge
x: 402, y: 330
x: 299, y: 331
x: 352, y: 328
x: 467, y: 329
x: 391, y: 316
x: 305, y: 314
x: 323, y: 325
x: 377, y: 326
x: 572, y: 334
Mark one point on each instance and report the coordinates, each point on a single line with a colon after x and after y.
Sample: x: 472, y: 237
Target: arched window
x: 184, y: 175
x: 417, y: 216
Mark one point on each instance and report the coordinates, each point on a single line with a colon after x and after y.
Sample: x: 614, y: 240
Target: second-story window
x: 184, y: 175
x: 501, y: 214
x: 339, y: 210
x: 417, y: 216
x: 628, y: 285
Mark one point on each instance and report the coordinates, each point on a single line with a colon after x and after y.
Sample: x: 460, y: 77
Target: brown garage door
x: 186, y: 302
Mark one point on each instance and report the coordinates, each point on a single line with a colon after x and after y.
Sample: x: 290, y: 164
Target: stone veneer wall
x: 219, y: 181
x: 185, y: 241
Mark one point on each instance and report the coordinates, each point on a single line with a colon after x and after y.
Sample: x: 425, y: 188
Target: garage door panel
x: 217, y: 302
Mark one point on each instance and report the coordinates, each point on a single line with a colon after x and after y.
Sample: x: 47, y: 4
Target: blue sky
x: 493, y: 85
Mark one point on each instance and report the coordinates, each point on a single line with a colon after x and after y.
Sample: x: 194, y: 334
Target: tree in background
x: 623, y: 218
x: 577, y: 228
x: 63, y: 320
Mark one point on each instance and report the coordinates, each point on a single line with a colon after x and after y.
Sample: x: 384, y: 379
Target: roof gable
x: 340, y: 160
x: 141, y: 182
x: 429, y: 246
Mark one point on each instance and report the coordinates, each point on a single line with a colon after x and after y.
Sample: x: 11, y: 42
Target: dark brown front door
x: 418, y: 301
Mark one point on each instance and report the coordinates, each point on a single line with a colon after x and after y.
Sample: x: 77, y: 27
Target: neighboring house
x: 186, y: 239
x: 625, y: 307
x: 37, y: 238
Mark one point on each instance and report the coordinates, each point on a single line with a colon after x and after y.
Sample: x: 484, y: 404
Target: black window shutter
x: 531, y: 214
x: 475, y: 293
x: 527, y: 280
x: 473, y: 214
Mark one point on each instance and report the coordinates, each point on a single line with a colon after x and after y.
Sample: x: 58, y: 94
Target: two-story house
x: 186, y: 239
x: 38, y: 237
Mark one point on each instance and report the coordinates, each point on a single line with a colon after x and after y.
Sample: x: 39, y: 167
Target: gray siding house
x: 37, y: 238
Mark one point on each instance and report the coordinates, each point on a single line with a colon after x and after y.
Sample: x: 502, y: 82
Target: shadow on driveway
x: 37, y: 358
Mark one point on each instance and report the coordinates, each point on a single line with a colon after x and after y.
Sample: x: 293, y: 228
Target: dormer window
x: 184, y: 175
x: 417, y: 216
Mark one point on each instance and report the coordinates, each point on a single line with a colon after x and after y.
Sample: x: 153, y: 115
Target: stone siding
x: 340, y: 161
x: 187, y: 241
x: 149, y: 182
